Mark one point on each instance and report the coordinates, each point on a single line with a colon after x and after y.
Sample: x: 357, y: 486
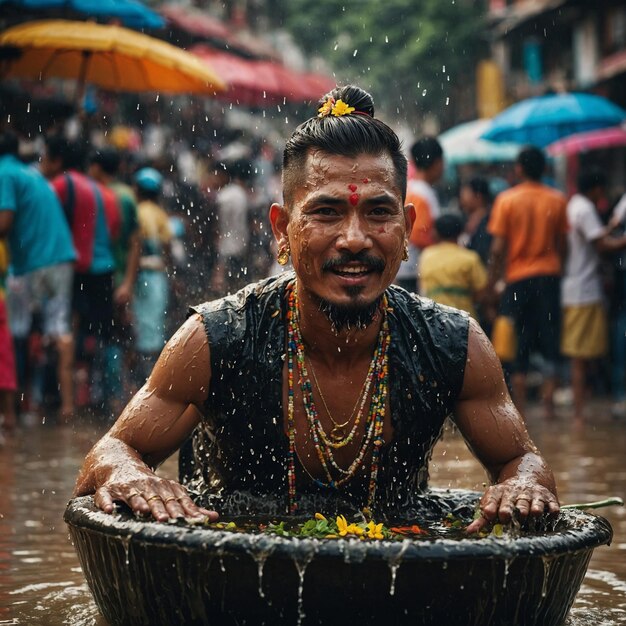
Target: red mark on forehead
x: 353, y: 199
x: 352, y: 188
x: 366, y: 180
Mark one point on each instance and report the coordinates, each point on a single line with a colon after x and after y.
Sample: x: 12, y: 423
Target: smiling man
x: 324, y: 388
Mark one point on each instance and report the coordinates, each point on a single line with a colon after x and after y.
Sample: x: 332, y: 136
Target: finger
x: 553, y: 507
x: 157, y: 508
x: 103, y: 500
x: 505, y: 511
x: 191, y: 509
x: 538, y: 506
x: 523, y: 506
x: 490, y: 503
x: 173, y: 507
x: 476, y: 526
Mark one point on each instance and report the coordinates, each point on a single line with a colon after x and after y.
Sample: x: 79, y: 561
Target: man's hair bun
x: 353, y: 96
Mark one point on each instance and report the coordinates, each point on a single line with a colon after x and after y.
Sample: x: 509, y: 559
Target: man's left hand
x: 514, y: 495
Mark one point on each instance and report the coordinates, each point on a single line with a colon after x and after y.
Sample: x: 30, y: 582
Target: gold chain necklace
x: 337, y: 434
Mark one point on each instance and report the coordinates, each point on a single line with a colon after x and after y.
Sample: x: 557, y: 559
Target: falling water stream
x: 41, y: 582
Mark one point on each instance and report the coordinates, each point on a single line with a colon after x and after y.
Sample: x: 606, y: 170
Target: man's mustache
x: 371, y: 262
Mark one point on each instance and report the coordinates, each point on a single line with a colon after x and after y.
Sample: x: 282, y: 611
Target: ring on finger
x: 156, y: 496
x: 132, y: 494
x: 170, y: 499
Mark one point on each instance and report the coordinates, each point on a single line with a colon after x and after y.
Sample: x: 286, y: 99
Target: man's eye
x: 325, y: 210
x: 380, y: 210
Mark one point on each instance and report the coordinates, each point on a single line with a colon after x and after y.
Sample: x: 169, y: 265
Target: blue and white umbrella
x: 545, y: 119
x: 462, y: 144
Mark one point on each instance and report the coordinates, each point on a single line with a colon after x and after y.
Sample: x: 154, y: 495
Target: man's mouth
x: 352, y: 270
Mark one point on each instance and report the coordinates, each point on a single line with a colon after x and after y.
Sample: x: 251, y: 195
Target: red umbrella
x: 612, y: 137
x: 259, y: 83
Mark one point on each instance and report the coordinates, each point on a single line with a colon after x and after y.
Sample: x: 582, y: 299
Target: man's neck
x: 324, y: 343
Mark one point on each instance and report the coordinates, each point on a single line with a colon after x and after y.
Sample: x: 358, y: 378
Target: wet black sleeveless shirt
x: 240, y: 445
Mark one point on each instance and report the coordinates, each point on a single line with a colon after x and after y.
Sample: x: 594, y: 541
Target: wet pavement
x: 41, y: 582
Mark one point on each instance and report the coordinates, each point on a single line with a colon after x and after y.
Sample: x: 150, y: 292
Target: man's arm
x: 124, y: 293
x: 6, y: 221
x: 157, y: 420
x: 495, y: 432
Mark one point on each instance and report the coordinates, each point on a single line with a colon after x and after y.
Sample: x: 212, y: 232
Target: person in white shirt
x: 232, y: 201
x: 585, y: 332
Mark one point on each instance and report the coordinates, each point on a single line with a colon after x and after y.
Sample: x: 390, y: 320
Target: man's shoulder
x: 421, y: 305
x: 254, y: 292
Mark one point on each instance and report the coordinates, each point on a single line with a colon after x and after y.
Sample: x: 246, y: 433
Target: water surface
x: 41, y: 582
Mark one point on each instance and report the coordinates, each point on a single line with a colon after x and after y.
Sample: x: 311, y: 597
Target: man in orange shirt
x: 529, y: 228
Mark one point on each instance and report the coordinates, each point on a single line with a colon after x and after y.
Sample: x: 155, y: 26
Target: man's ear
x: 279, y: 219
x: 409, y: 218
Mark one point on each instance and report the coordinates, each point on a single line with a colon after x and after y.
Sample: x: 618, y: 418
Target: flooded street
x: 41, y: 582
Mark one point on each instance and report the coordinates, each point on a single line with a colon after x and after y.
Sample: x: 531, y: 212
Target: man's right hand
x: 150, y: 495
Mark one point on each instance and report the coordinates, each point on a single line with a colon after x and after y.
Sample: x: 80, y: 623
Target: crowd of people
x: 543, y: 274
x: 102, y: 249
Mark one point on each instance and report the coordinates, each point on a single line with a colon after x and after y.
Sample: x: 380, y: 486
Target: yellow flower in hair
x: 341, y: 108
x: 326, y: 108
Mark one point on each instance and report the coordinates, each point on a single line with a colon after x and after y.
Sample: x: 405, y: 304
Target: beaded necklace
x: 378, y: 376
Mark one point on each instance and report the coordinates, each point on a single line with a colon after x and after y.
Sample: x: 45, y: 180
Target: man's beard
x: 349, y: 316
x: 356, y: 314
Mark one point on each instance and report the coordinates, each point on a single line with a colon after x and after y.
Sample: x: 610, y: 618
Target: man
x: 427, y: 156
x: 42, y: 253
x: 449, y: 273
x: 585, y: 329
x: 327, y: 381
x: 103, y: 167
x: 529, y: 228
x: 85, y: 210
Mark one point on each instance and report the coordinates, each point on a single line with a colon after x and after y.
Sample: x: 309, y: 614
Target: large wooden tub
x: 161, y: 574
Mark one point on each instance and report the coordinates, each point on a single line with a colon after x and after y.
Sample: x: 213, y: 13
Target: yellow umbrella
x: 111, y: 57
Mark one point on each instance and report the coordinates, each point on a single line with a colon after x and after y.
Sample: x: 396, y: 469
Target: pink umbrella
x: 260, y: 83
x: 612, y: 137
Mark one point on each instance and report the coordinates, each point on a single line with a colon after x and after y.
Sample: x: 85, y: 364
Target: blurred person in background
x: 233, y: 209
x: 475, y: 202
x: 8, y: 378
x: 42, y: 255
x: 585, y: 328
x: 92, y: 301
x: 449, y: 273
x: 152, y: 287
x: 529, y: 227
x: 103, y: 167
x: 427, y: 155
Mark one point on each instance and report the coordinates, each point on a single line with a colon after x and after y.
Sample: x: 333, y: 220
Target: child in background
x: 151, y: 297
x: 449, y: 273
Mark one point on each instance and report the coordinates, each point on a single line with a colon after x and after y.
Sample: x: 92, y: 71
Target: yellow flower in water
x: 348, y: 529
x: 342, y: 525
x: 374, y: 530
x: 341, y: 108
x: 320, y: 516
x: 353, y: 529
x: 326, y: 108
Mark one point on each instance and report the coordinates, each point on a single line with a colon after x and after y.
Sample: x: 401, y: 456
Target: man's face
x: 346, y: 228
x: 49, y: 167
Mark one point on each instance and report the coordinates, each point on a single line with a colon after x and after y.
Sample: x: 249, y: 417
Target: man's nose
x: 355, y: 235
